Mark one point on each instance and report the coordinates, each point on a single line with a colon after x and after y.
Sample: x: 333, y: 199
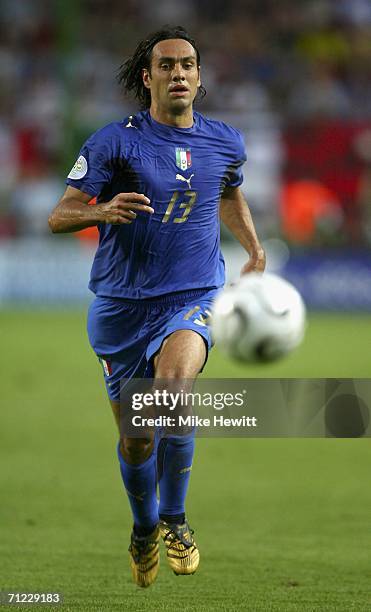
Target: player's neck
x: 184, y: 120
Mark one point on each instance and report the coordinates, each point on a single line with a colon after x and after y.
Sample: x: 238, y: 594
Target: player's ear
x: 199, y: 77
x: 146, y: 78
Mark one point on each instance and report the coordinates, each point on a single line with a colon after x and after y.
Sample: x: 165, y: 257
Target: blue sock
x: 174, y: 462
x: 140, y: 484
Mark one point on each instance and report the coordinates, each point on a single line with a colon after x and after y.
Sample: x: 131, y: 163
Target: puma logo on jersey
x: 129, y: 123
x: 179, y: 177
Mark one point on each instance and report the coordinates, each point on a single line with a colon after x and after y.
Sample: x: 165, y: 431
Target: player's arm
x: 73, y: 212
x: 235, y: 214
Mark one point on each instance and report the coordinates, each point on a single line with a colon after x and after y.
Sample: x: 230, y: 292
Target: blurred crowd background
x: 294, y: 76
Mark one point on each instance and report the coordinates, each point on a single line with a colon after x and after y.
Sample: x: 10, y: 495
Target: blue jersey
x: 183, y: 171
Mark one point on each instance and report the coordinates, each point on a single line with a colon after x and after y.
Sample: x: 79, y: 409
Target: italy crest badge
x: 183, y: 158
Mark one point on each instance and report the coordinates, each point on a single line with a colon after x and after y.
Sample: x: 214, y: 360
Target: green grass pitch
x: 282, y: 524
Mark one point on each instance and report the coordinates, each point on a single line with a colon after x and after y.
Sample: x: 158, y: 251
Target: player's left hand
x: 256, y: 262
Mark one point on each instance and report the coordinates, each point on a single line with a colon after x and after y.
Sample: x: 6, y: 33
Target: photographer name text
x: 194, y: 421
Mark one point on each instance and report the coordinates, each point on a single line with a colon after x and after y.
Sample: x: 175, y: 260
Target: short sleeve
x: 234, y: 175
x: 93, y: 168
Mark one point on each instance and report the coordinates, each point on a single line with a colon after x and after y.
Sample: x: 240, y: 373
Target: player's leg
x: 137, y: 458
x: 109, y: 330
x: 138, y: 470
x: 181, y: 357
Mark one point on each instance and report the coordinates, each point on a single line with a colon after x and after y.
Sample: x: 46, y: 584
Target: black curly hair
x: 130, y: 72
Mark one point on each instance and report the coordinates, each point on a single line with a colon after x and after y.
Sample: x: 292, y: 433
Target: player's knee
x: 136, y: 450
x: 174, y: 372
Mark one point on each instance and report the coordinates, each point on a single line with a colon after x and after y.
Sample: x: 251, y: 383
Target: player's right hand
x: 121, y: 209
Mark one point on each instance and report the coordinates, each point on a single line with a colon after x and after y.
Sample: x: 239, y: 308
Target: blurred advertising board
x: 45, y: 272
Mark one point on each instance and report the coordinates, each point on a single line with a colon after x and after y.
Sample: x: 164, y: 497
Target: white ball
x: 261, y: 318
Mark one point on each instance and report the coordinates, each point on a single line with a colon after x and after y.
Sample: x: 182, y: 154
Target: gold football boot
x: 182, y: 552
x: 145, y: 558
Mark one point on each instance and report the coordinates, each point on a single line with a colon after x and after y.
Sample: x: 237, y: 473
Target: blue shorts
x: 127, y: 334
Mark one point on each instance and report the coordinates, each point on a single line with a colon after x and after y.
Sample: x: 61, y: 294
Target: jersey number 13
x: 186, y: 205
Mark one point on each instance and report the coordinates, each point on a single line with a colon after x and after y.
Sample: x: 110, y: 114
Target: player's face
x: 174, y: 76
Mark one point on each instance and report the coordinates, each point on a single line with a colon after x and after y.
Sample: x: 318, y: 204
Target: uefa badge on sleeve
x: 79, y: 169
x: 183, y: 158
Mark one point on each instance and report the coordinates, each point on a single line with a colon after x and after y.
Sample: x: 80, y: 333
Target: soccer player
x: 163, y: 179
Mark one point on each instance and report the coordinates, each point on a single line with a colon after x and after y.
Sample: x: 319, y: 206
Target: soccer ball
x: 261, y: 318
